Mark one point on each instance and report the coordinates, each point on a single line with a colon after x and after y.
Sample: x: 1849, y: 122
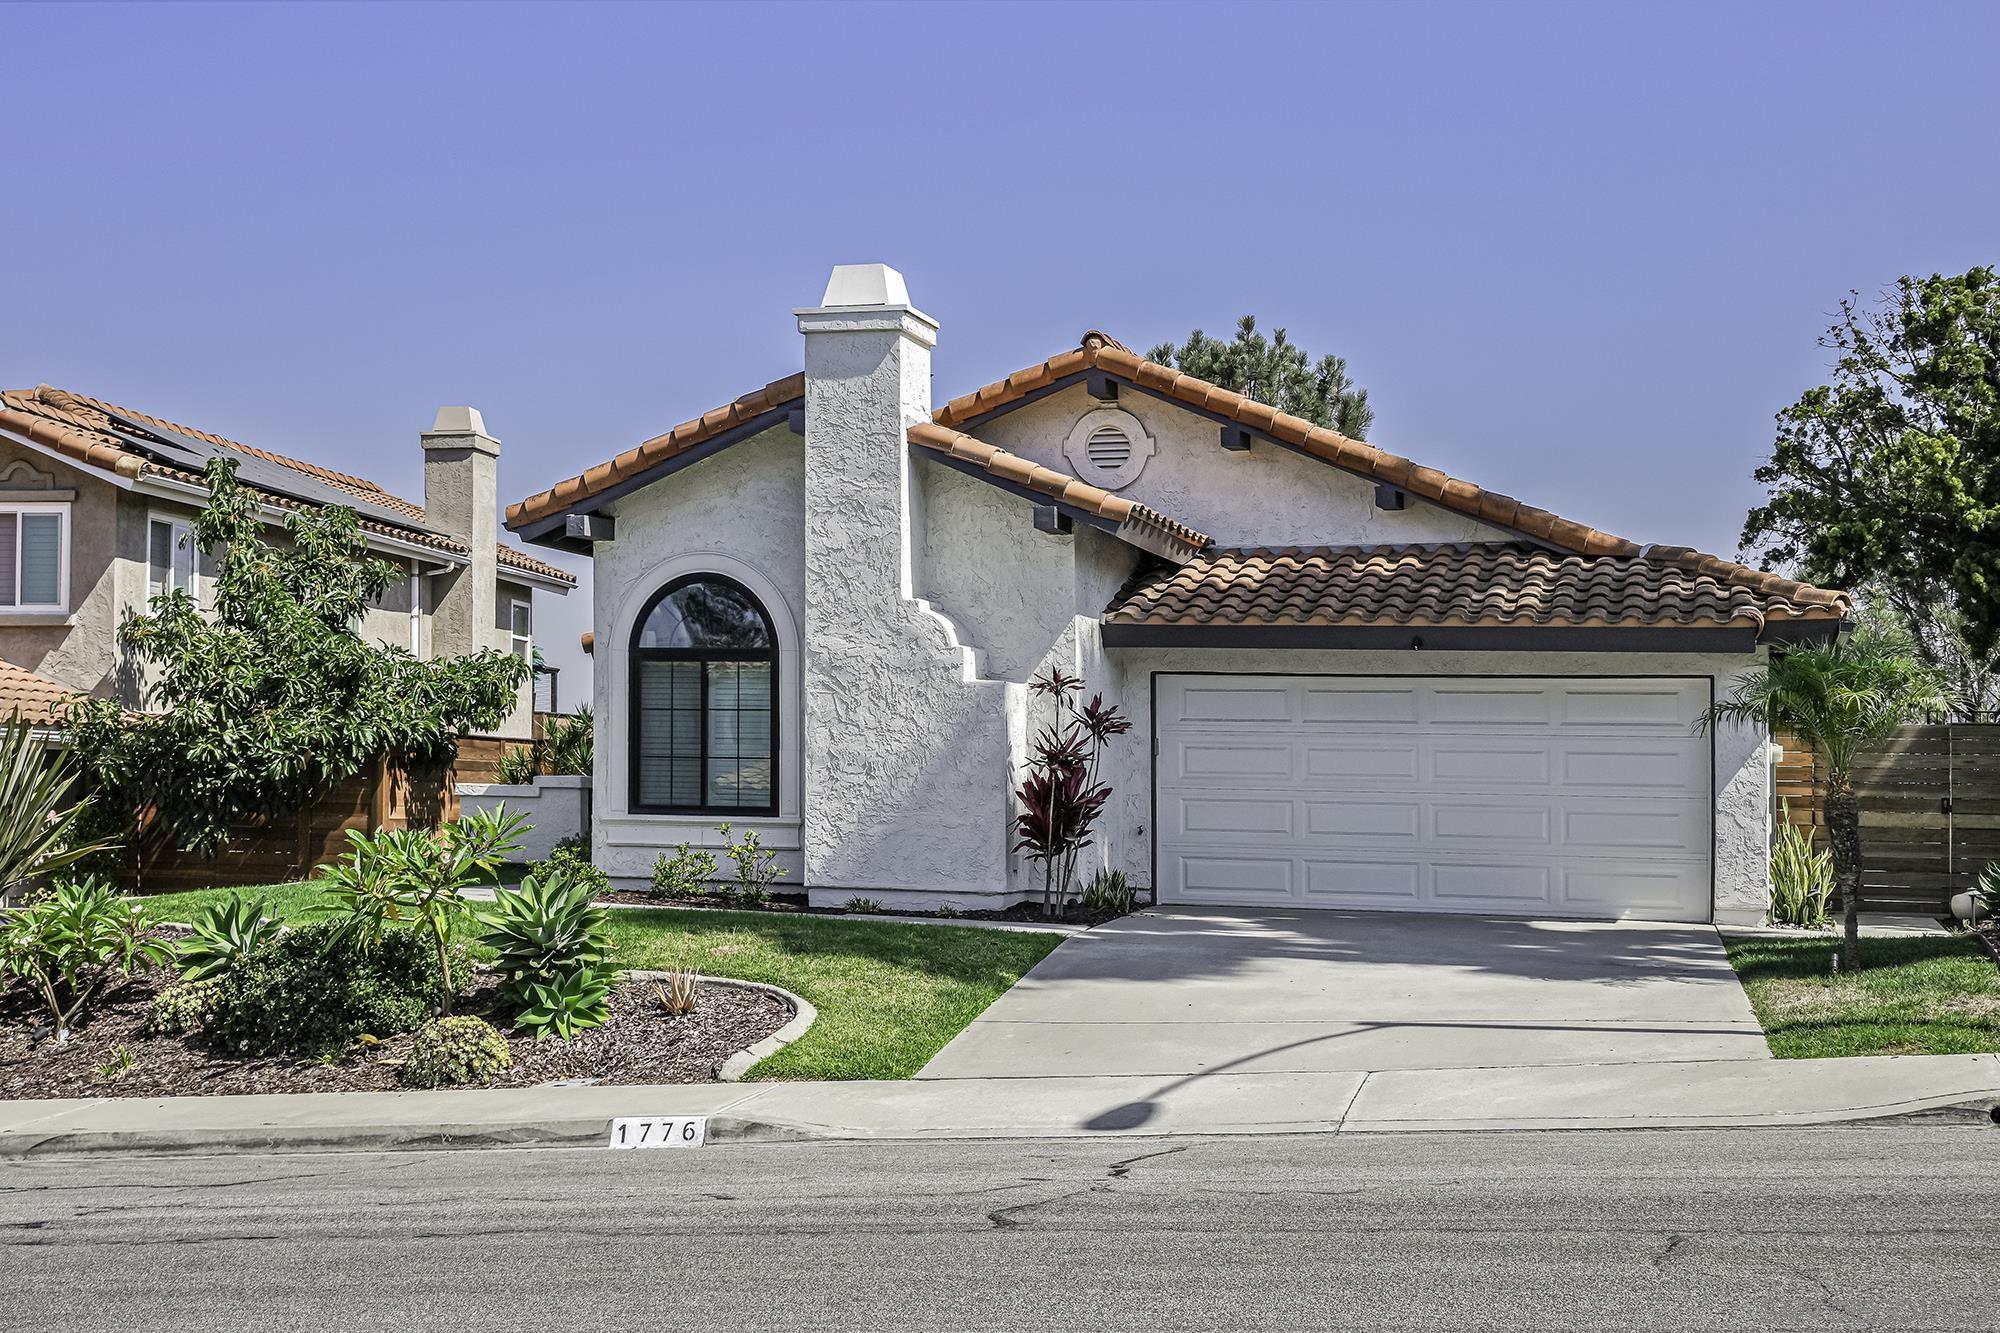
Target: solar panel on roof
x: 184, y: 451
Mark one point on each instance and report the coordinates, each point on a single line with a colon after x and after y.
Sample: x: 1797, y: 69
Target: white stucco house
x: 1355, y: 682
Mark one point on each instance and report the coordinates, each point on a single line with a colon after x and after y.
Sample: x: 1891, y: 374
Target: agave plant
x: 566, y: 1005
x: 224, y: 934
x: 40, y: 829
x: 546, y: 929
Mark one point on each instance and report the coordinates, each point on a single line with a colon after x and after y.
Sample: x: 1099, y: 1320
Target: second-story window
x: 523, y: 640
x: 34, y: 557
x: 169, y: 557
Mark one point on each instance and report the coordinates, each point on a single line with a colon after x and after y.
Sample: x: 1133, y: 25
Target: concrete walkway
x: 1681, y: 1095
x: 1203, y: 992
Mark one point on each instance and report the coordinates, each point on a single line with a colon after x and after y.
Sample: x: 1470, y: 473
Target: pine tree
x: 1274, y: 371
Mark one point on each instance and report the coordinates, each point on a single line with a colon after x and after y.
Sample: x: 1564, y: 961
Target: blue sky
x: 1578, y: 253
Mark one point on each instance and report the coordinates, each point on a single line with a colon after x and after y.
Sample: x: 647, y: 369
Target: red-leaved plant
x: 1061, y: 797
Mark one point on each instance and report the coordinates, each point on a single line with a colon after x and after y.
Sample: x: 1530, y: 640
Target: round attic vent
x: 1108, y: 447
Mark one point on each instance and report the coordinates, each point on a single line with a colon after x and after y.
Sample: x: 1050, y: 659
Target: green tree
x: 1274, y: 372
x: 271, y: 696
x: 1888, y: 477
x: 1836, y: 699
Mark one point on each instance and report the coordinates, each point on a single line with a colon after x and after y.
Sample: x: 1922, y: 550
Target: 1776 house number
x: 658, y: 1131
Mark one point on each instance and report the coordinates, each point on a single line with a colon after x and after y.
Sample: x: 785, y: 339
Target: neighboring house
x: 1355, y: 681
x: 95, y: 504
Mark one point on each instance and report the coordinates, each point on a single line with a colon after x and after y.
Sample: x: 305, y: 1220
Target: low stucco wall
x: 554, y: 805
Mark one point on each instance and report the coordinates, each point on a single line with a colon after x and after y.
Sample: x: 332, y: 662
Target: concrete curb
x: 736, y: 1066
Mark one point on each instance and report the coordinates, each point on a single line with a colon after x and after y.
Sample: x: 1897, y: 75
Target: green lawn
x: 889, y: 996
x: 1919, y: 995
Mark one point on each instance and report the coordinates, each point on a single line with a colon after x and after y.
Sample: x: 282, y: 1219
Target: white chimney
x: 902, y: 742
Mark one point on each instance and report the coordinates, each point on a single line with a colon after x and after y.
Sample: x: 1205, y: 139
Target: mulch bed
x: 641, y: 1044
x: 1027, y: 914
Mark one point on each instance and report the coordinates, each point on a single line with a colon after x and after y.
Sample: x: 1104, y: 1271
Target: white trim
x: 416, y: 587
x: 18, y: 609
x: 613, y: 693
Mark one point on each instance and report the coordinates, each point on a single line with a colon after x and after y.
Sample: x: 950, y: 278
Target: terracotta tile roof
x: 1143, y: 526
x: 34, y: 697
x: 78, y: 427
x: 1103, y: 352
x: 1464, y: 584
x: 653, y: 452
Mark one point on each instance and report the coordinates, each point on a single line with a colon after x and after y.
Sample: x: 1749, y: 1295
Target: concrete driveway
x: 1198, y: 991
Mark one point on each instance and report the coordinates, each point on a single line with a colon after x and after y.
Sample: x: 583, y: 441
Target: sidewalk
x: 1661, y: 1095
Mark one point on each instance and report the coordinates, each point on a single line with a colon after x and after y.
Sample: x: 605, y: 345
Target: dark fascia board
x: 548, y: 531
x: 1442, y: 638
x: 1796, y: 633
x: 1037, y: 498
x: 1056, y: 386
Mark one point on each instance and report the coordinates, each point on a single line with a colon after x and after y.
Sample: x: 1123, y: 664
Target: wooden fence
x: 270, y: 851
x: 1930, y: 812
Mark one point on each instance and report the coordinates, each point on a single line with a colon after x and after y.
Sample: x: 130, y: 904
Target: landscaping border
x: 804, y: 1015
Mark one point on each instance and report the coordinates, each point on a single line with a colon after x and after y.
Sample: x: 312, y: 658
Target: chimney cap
x: 865, y: 285
x: 458, y: 421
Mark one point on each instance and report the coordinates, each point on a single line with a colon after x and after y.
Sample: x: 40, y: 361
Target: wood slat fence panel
x: 289, y: 847
x: 1930, y: 811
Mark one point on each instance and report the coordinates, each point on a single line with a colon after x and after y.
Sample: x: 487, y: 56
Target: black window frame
x: 637, y: 656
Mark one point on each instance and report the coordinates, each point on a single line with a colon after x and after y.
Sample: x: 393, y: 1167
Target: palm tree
x: 1838, y: 699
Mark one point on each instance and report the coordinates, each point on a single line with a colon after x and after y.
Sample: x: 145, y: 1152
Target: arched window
x: 704, y: 701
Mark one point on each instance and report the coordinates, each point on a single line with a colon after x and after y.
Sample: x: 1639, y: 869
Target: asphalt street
x: 1858, y: 1227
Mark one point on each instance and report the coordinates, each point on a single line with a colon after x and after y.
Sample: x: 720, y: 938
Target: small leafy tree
x: 1836, y: 699
x: 271, y: 696
x: 1061, y: 797
x: 418, y: 876
x: 1276, y: 373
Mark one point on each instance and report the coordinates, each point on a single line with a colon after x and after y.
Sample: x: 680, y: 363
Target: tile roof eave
x: 1133, y: 522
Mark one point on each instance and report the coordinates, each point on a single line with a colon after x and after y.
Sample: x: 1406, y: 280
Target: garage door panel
x: 1490, y: 822
x: 1227, y: 879
x: 1399, y: 820
x: 1663, y: 767
x: 1389, y: 885
x: 1262, y: 816
x: 1362, y: 762
x: 1532, y: 795
x: 1489, y: 763
x: 1237, y: 703
x: 1489, y: 706
x: 1237, y: 760
x: 1362, y: 704
x: 1489, y: 883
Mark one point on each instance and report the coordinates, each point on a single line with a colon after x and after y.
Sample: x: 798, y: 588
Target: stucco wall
x: 1742, y: 811
x: 553, y: 807
x: 105, y: 534
x: 1266, y: 496
x: 741, y: 514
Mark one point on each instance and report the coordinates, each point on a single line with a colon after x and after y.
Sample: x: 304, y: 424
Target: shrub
x: 451, y: 1051
x: 1801, y: 878
x: 182, y: 1007
x: 566, y: 1005
x: 546, y: 929
x: 570, y: 859
x: 224, y: 933
x: 858, y: 904
x: 1108, y: 891
x: 314, y: 990
x: 418, y: 875
x: 71, y: 942
x: 685, y: 874
x: 756, y: 868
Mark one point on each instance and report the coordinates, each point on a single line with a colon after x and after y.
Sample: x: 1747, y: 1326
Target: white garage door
x: 1535, y: 796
